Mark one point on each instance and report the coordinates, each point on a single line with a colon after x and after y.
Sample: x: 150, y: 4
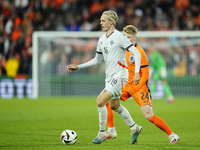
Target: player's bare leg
x: 102, y: 99
x: 149, y: 115
x: 125, y: 115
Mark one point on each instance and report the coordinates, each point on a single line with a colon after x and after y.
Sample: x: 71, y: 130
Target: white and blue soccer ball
x: 68, y: 137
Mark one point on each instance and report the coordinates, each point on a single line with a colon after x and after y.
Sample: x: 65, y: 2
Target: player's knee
x: 114, y: 106
x: 147, y: 111
x: 100, y: 104
x: 147, y: 115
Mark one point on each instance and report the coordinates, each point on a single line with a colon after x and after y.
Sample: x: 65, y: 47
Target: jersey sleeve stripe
x: 144, y: 66
x: 147, y: 85
x: 129, y: 47
x: 99, y: 52
x: 122, y: 65
x: 149, y: 90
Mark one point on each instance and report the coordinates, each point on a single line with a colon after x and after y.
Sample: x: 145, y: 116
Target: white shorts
x: 115, y: 86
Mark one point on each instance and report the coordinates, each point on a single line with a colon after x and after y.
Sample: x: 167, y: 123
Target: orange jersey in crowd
x: 140, y: 92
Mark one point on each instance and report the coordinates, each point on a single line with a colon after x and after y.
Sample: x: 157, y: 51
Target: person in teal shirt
x: 158, y: 72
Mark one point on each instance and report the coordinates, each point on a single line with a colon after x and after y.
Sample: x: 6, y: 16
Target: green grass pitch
x: 37, y: 124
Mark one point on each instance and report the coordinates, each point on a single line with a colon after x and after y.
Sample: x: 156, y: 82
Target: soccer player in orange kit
x: 140, y: 92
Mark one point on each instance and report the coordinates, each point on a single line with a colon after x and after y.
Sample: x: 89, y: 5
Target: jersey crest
x: 131, y: 59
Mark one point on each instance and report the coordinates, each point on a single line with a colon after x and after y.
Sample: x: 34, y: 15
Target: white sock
x: 172, y: 134
x: 102, y: 119
x: 111, y: 129
x: 125, y: 115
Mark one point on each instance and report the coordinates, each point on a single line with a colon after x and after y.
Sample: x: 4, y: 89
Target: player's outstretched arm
x: 96, y: 60
x: 70, y: 68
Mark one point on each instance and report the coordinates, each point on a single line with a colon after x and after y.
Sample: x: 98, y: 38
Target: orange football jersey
x: 130, y: 60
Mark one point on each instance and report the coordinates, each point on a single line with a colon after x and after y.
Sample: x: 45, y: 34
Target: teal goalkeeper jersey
x: 156, y: 60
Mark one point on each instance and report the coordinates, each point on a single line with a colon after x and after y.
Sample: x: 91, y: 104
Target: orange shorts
x: 142, y: 96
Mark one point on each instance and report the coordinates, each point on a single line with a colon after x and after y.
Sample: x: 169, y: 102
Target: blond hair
x: 130, y: 29
x: 111, y: 15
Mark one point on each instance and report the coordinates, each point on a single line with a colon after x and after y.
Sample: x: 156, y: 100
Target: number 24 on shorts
x: 144, y: 95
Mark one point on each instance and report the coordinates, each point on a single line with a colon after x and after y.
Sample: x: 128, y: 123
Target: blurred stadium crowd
x: 20, y: 18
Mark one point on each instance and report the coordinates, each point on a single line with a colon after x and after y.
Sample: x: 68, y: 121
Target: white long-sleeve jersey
x: 112, y: 50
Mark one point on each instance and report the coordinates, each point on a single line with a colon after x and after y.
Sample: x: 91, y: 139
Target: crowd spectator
x: 20, y: 18
x: 12, y: 66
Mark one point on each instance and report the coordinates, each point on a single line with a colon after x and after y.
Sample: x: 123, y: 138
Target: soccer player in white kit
x: 111, y: 47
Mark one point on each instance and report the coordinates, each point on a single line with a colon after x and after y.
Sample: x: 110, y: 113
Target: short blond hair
x: 111, y: 15
x: 130, y: 29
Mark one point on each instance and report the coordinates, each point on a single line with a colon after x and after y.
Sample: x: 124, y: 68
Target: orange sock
x: 110, y: 118
x: 160, y: 124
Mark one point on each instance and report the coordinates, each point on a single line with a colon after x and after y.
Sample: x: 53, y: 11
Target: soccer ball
x: 68, y: 137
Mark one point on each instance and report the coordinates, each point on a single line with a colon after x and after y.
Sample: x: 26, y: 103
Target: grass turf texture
x: 37, y: 124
